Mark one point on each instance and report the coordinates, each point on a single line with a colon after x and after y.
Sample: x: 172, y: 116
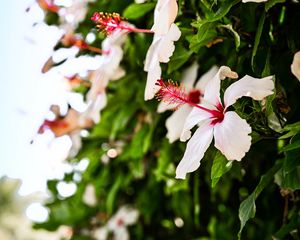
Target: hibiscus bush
x: 226, y: 79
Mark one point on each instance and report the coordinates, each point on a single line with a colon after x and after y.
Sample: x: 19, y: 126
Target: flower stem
x: 137, y: 30
x: 94, y: 49
x: 171, y: 93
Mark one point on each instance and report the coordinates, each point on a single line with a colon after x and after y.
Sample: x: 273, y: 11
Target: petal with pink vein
x: 232, y: 136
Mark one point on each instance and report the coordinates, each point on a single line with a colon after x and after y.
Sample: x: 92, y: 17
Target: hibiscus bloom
x: 230, y: 131
x: 175, y: 122
x: 71, y: 124
x: 60, y: 126
x: 162, y: 47
x: 125, y: 216
x: 109, y: 70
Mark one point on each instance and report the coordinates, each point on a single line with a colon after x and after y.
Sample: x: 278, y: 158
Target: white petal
x: 95, y: 107
x: 126, y: 214
x: 101, y: 233
x: 89, y: 195
x: 163, y: 106
x: 166, y: 50
x: 256, y: 88
x: 203, y: 80
x: 81, y: 64
x: 176, y: 122
x: 164, y: 15
x: 76, y: 143
x: 99, y: 81
x: 232, y: 136
x: 119, y: 73
x: 131, y: 217
x: 64, y: 53
x: 189, y: 76
x: 112, y: 60
x: 117, y: 38
x: 152, y: 53
x: 196, y: 116
x: 166, y: 45
x: 121, y: 233
x: 174, y: 32
x: 153, y: 75
x: 162, y: 48
x: 195, y: 149
x: 212, y: 89
x: 295, y: 67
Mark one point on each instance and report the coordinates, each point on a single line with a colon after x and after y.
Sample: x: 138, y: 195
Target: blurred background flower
x: 26, y: 96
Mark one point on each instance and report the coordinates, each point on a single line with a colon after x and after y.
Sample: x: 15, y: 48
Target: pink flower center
x: 170, y: 92
x: 194, y: 96
x: 218, y: 115
x: 109, y: 22
x: 120, y: 222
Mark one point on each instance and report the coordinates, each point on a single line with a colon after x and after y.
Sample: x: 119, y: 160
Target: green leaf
x: 163, y: 161
x: 221, y: 12
x: 290, y: 175
x: 138, y: 147
x: 220, y: 166
x: 196, y: 199
x: 291, y: 129
x: 80, y: 238
x: 292, y: 146
x: 294, y: 223
x: 110, y: 201
x: 148, y: 140
x: 173, y: 186
x: 236, y: 36
x: 291, y: 180
x: 137, y: 144
x: 267, y: 178
x: 267, y: 71
x: 273, y: 121
x: 206, y: 33
x: 271, y: 3
x: 291, y: 160
x: 135, y: 10
x: 207, y: 27
x: 180, y: 56
x: 246, y: 211
x: 51, y: 185
x: 257, y: 37
x: 122, y: 118
x: 247, y: 207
